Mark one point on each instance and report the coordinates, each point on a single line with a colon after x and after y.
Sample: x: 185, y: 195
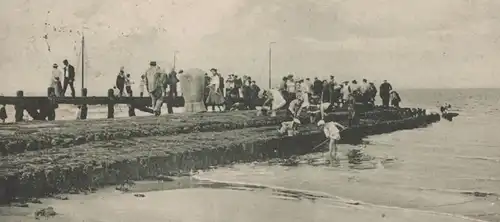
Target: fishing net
x: 192, y: 83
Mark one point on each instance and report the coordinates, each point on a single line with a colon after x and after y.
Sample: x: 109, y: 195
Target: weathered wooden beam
x: 111, y: 103
x: 49, y: 109
x: 93, y: 100
x: 84, y: 108
x: 18, y: 105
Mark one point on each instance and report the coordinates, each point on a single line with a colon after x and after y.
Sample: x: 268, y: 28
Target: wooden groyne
x: 44, y: 107
x: 84, y: 166
x: 36, y: 136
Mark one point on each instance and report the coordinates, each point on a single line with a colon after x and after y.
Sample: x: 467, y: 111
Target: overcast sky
x: 413, y: 44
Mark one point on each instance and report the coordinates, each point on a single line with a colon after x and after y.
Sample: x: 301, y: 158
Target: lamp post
x: 270, y: 62
x: 175, y: 58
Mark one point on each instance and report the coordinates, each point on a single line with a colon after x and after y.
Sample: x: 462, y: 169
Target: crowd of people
x: 241, y: 93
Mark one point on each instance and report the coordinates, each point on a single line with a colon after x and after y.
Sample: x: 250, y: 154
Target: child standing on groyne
x: 332, y: 132
x: 3, y: 113
x: 142, y: 85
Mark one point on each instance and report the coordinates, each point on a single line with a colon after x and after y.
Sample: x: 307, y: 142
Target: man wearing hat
x: 120, y: 81
x: 154, y: 85
x: 55, y: 81
x: 332, y: 133
x: 384, y: 92
x: 69, y: 78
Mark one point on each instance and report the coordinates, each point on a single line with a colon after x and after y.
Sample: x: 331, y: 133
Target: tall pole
x: 270, y: 62
x: 175, y: 58
x: 83, y: 61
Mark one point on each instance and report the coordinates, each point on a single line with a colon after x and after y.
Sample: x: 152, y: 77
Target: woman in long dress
x: 215, y: 96
x: 56, y: 80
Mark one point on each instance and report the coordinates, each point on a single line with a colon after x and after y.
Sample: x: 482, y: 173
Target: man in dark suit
x: 69, y: 78
x: 385, y: 92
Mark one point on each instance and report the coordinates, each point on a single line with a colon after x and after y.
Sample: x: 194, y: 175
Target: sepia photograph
x: 249, y: 110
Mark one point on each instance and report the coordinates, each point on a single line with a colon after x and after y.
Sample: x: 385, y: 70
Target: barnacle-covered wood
x: 43, y: 135
x: 88, y: 166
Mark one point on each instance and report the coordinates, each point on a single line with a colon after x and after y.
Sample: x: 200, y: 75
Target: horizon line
x: 400, y: 88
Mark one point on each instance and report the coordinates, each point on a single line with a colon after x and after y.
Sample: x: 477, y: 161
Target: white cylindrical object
x: 192, y: 83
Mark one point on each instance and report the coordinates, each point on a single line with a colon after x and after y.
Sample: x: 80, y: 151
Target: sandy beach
x: 201, y: 204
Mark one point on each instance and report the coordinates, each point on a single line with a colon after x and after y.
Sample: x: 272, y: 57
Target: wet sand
x: 217, y: 205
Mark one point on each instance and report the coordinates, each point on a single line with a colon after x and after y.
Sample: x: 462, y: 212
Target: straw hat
x: 295, y: 120
x: 321, y: 123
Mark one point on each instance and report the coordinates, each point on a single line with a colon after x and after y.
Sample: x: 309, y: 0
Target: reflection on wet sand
x: 215, y: 201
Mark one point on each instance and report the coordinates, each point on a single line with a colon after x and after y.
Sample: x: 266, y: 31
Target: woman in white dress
x: 55, y: 80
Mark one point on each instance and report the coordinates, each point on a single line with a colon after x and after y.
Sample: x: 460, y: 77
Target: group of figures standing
x: 338, y: 94
x: 239, y: 93
x: 233, y: 94
x: 68, y: 77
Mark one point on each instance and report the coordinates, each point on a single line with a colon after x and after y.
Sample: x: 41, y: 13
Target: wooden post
x: 131, y: 110
x: 131, y: 107
x: 84, y: 108
x: 170, y: 101
x: 111, y: 104
x: 49, y: 111
x: 19, y: 107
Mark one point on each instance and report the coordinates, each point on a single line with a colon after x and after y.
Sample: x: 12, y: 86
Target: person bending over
x: 332, y: 132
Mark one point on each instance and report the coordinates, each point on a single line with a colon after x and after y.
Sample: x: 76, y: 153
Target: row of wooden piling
x: 46, y: 110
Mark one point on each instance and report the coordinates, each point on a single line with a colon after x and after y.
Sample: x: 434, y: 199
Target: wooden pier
x: 44, y: 107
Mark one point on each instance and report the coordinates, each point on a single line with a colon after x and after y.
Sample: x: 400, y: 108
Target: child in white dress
x: 332, y: 132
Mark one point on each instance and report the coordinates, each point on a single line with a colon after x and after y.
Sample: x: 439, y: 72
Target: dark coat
x: 385, y: 88
x: 71, y: 72
x: 120, y: 81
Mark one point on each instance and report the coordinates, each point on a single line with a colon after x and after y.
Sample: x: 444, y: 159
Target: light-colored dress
x: 290, y: 86
x: 215, y: 97
x: 142, y: 85
x: 278, y: 100
x: 331, y: 131
x: 345, y: 92
x: 55, y: 81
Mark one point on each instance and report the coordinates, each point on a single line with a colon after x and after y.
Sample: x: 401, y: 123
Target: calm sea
x: 438, y: 168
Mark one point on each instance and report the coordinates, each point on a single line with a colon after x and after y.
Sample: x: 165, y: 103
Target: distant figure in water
x: 445, y: 108
x: 332, y: 132
x: 445, y: 112
x: 3, y: 113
